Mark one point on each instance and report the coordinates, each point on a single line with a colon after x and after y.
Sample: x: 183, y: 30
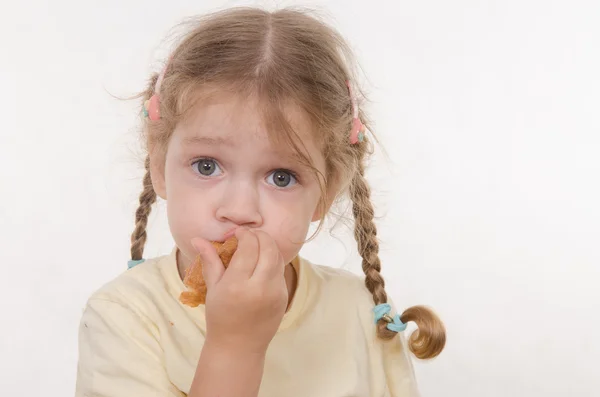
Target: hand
x: 245, y: 304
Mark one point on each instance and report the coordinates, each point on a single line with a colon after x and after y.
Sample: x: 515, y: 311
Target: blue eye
x: 207, y: 167
x: 282, y: 178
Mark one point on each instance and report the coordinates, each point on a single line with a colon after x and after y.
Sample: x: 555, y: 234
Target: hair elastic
x: 357, y: 133
x: 134, y: 262
x: 152, y: 105
x: 382, y: 311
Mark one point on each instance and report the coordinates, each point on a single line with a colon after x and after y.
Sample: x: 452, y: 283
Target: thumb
x: 212, y: 267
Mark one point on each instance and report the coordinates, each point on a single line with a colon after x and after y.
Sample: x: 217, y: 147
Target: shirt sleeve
x: 119, y: 354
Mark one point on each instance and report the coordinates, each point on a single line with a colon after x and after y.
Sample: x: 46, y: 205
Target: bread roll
x: 196, y: 294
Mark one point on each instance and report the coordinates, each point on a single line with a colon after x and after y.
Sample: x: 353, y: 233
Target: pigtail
x: 147, y: 198
x: 148, y: 195
x: 430, y: 338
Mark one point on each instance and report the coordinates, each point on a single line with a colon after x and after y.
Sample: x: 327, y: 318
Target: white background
x: 488, y: 208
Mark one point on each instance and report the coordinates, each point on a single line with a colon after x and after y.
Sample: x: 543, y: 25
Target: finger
x: 212, y: 267
x: 244, y: 259
x: 270, y: 260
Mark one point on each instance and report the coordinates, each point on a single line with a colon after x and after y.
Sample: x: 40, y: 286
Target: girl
x: 253, y: 130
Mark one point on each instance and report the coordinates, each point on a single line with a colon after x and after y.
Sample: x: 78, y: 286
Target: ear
x: 157, y: 173
x: 317, y: 216
x: 322, y: 210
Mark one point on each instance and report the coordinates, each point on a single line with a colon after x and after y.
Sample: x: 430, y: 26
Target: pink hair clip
x: 152, y: 105
x: 357, y: 133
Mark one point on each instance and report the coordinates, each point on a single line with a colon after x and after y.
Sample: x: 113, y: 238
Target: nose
x: 240, y: 205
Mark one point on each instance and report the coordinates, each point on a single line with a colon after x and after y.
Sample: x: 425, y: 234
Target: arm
x: 226, y: 372
x: 232, y: 360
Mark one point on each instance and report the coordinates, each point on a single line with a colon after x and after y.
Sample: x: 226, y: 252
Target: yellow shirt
x: 137, y: 339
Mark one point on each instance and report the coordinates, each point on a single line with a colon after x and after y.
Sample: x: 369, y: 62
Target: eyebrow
x: 292, y: 157
x: 206, y: 140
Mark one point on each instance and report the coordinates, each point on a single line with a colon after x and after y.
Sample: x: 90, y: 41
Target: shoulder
x: 342, y: 285
x: 121, y: 329
x: 337, y: 276
x: 135, y: 289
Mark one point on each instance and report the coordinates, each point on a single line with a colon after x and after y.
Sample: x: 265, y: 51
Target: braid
x: 365, y: 233
x: 430, y: 338
x: 147, y: 198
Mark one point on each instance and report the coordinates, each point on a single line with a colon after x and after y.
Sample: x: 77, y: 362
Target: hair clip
x: 357, y: 133
x: 382, y: 311
x: 152, y: 106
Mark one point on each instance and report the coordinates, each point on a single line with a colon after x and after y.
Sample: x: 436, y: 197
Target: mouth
x: 229, y: 234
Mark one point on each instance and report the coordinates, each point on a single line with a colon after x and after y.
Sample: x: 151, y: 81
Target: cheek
x: 289, y: 225
x: 291, y: 238
x: 181, y: 224
x: 187, y: 207
x: 294, y: 228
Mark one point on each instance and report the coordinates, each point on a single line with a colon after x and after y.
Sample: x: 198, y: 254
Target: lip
x: 229, y: 234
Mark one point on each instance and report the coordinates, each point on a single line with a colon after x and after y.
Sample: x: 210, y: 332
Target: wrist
x: 232, y: 352
x: 220, y: 363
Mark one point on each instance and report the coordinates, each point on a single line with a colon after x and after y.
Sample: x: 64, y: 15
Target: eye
x: 207, y: 167
x: 282, y: 178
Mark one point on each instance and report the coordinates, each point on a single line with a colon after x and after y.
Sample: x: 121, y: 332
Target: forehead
x: 223, y: 118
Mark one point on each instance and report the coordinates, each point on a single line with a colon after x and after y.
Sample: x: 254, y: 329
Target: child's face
x: 221, y: 172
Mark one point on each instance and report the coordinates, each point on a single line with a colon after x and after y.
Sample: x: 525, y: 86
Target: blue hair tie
x: 134, y: 262
x: 394, y: 323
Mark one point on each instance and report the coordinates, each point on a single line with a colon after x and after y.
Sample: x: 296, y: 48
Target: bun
x: 194, y: 280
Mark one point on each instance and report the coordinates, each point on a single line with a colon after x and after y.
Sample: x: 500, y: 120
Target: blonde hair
x: 282, y: 57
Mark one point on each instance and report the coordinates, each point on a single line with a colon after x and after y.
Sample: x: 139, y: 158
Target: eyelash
x: 200, y: 176
x: 195, y: 168
x: 292, y: 173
